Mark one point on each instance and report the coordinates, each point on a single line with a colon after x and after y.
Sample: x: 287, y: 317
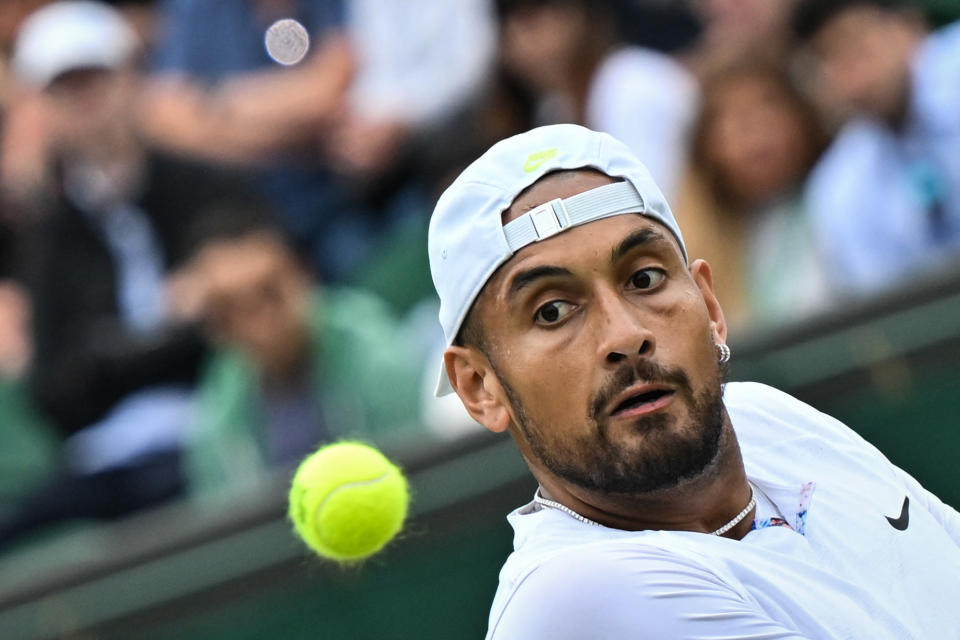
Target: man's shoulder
x: 755, y: 396
x: 777, y: 431
x: 760, y: 412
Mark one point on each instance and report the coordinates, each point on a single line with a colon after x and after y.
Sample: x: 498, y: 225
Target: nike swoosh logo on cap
x: 901, y: 523
x: 535, y: 160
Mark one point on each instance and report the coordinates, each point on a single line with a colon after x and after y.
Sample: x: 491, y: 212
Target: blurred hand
x: 173, y: 110
x: 16, y: 346
x: 250, y: 116
x: 26, y: 151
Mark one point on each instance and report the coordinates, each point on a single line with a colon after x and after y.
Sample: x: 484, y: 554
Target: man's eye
x: 552, y: 311
x: 647, y: 278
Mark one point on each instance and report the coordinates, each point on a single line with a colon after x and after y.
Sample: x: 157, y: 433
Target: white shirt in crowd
x: 845, y: 545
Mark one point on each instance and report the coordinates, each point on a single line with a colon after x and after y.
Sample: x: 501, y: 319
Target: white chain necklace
x: 539, y: 499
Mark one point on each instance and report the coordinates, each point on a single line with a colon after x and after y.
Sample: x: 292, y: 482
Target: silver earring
x: 723, y: 351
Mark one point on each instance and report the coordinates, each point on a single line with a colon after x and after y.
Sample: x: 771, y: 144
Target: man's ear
x: 703, y: 276
x: 475, y: 381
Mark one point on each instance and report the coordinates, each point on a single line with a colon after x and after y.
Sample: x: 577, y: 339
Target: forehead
x: 561, y: 184
x: 239, y: 263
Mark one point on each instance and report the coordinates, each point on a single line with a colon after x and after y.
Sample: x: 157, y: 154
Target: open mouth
x: 642, y: 402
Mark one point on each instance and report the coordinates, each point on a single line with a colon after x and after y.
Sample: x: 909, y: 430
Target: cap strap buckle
x: 549, y: 218
x: 552, y: 217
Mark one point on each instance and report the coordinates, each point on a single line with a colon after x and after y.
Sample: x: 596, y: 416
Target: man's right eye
x: 552, y: 312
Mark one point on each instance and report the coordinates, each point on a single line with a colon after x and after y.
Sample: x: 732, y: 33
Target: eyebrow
x: 636, y: 239
x: 526, y: 278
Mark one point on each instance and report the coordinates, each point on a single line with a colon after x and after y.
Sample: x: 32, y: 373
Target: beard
x: 665, y: 455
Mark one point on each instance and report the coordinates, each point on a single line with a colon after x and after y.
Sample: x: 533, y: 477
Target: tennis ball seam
x: 348, y: 485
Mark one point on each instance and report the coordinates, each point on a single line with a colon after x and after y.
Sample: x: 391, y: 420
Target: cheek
x: 551, y: 378
x: 683, y: 333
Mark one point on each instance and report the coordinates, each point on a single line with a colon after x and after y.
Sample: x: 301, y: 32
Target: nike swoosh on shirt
x: 901, y: 523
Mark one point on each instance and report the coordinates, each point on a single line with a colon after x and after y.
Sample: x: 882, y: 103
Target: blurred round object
x: 287, y: 41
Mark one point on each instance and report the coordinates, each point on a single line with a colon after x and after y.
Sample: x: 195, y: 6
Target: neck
x: 702, y: 504
x: 292, y: 368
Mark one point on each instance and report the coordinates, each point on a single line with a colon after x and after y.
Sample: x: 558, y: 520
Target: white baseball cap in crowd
x: 65, y: 36
x: 468, y: 241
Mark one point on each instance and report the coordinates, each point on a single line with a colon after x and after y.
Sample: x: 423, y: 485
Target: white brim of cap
x: 443, y: 381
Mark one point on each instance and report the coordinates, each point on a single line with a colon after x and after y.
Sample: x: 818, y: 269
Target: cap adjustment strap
x: 552, y: 217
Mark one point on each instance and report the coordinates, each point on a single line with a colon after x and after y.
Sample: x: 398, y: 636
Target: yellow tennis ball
x: 347, y: 500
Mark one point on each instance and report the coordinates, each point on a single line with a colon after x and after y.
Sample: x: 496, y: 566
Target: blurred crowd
x: 212, y: 260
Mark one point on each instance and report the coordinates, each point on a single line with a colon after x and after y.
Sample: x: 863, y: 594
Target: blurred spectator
x: 296, y: 365
x: 25, y: 113
x: 755, y: 141
x: 340, y: 134
x: 113, y: 361
x: 27, y: 445
x: 569, y: 54
x: 215, y: 93
x: 886, y: 195
x: 416, y: 73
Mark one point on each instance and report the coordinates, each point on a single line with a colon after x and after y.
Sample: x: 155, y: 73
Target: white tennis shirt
x: 834, y: 555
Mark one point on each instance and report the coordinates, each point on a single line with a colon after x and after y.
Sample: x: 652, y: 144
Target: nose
x: 623, y: 333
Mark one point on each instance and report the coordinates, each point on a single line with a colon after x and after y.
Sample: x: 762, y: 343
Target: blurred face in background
x: 91, y: 108
x: 863, y: 56
x: 756, y: 138
x: 256, y: 299
x: 540, y: 44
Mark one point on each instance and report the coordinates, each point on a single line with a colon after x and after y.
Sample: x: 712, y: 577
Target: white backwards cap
x: 69, y: 35
x: 468, y: 241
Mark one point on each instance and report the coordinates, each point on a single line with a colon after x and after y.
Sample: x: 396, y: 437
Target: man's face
x: 755, y: 138
x: 256, y: 299
x: 541, y: 44
x: 91, y: 106
x: 603, y: 343
x: 864, y: 56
